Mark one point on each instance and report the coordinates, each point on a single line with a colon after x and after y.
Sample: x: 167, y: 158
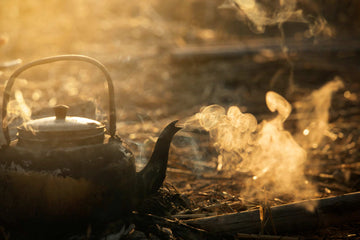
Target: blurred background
x: 135, y: 40
x: 170, y: 58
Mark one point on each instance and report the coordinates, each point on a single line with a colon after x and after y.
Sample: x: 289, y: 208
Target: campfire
x: 265, y: 94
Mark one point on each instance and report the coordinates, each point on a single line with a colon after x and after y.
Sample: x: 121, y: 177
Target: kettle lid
x: 60, y: 130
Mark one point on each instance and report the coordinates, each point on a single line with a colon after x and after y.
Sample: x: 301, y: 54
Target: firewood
x: 195, y: 215
x: 288, y: 218
x: 265, y: 237
x: 240, y: 49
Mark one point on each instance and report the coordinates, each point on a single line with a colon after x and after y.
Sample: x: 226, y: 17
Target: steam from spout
x: 232, y: 132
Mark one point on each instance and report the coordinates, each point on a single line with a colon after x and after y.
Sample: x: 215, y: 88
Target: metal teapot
x: 72, y: 168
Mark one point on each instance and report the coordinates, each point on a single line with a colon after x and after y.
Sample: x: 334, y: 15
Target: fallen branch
x: 178, y: 228
x: 265, y: 237
x: 289, y: 218
x: 192, y: 216
x: 236, y: 50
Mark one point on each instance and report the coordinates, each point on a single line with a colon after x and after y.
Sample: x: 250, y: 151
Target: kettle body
x: 94, y: 181
x: 66, y: 169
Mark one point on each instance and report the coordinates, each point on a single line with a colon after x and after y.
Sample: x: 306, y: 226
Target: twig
x: 192, y: 216
x: 346, y: 166
x: 230, y: 51
x: 217, y: 205
x: 265, y: 237
x: 180, y: 171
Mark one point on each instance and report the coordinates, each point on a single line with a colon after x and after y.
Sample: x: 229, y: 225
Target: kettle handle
x: 68, y: 57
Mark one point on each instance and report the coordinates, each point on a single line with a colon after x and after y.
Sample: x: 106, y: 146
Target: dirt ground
x: 138, y: 42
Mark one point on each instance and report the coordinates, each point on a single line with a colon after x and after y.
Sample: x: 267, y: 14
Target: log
x: 254, y: 46
x: 289, y: 218
x: 265, y: 237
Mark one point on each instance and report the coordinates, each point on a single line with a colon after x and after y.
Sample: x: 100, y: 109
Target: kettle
x: 68, y: 168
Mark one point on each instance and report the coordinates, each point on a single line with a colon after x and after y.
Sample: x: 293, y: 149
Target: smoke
x: 313, y: 114
x: 270, y: 153
x: 231, y: 132
x: 18, y: 108
x: 278, y: 161
x: 262, y: 13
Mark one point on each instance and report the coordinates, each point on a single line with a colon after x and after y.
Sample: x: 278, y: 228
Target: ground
x: 139, y: 42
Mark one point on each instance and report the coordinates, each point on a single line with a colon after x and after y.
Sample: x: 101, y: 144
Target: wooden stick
x: 239, y: 49
x: 194, y: 215
x: 265, y: 237
x: 289, y: 218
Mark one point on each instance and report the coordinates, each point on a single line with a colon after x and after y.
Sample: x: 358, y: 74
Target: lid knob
x: 60, y: 112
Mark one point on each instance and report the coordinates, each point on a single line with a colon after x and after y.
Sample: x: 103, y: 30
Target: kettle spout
x: 151, y: 177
